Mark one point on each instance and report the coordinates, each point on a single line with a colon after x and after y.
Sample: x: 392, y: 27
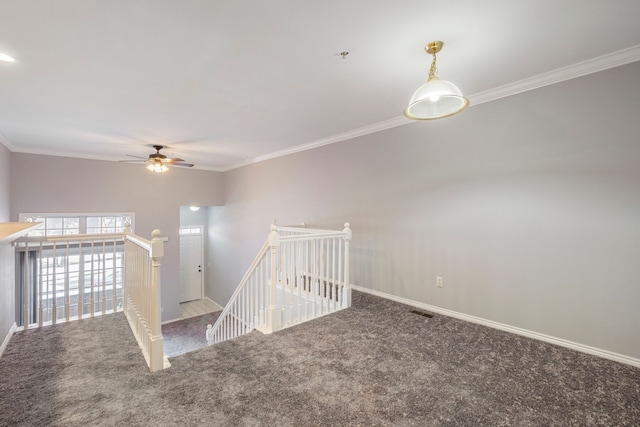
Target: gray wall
x: 7, y: 314
x: 58, y: 184
x: 528, y: 207
x: 5, y: 169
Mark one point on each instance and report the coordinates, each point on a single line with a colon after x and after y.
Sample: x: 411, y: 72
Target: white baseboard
x: 218, y: 308
x: 218, y: 305
x: 507, y: 328
x: 6, y: 340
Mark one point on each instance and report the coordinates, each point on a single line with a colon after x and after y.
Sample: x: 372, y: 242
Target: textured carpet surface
x: 187, y: 335
x: 373, y: 364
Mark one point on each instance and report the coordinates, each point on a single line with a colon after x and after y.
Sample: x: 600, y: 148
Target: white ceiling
x: 228, y: 83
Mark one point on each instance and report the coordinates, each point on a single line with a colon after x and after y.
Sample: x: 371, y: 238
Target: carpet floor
x: 184, y: 336
x: 374, y: 364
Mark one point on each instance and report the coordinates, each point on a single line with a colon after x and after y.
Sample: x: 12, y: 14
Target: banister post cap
x: 274, y: 237
x: 347, y: 230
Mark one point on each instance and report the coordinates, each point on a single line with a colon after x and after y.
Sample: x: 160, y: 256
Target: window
x: 69, y: 224
x: 193, y: 229
x: 71, y: 278
x: 106, y: 224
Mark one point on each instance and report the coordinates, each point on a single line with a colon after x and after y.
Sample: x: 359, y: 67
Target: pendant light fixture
x: 436, y: 98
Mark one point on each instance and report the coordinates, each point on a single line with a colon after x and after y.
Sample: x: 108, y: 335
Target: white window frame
x: 190, y: 230
x: 82, y: 220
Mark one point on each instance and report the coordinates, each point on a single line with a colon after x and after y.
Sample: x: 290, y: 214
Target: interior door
x: 191, y: 263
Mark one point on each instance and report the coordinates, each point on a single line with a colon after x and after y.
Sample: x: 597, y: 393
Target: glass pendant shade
x: 434, y: 100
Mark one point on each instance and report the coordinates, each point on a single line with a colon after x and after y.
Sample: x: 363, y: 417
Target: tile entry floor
x: 197, y: 308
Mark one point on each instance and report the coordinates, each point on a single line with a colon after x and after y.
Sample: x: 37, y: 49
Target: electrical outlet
x: 439, y: 283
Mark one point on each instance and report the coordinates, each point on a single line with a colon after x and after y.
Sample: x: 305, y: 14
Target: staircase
x: 298, y: 275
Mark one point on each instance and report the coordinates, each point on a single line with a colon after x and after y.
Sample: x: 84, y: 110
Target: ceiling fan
x: 159, y: 162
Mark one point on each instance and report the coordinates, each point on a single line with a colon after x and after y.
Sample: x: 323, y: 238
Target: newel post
x: 273, y: 314
x: 156, y: 352
x: 346, y: 297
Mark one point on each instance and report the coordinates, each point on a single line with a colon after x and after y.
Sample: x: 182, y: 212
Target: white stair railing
x: 299, y: 274
x: 142, y: 304
x: 246, y: 308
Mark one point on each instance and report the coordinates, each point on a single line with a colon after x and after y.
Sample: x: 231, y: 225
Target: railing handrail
x: 304, y: 233
x: 294, y: 237
x: 247, y: 275
x: 78, y: 237
x: 304, y: 230
x: 71, y: 238
x: 260, y: 300
x: 140, y: 241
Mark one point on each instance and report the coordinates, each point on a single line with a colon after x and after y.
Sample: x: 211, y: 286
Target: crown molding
x: 344, y: 136
x: 6, y: 143
x: 590, y: 66
x: 83, y: 156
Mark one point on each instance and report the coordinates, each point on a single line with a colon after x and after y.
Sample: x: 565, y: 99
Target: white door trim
x: 194, y: 230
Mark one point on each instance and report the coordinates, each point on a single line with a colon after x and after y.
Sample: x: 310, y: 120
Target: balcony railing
x: 65, y: 278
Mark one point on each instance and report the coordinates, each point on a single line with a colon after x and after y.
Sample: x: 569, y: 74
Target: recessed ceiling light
x: 6, y: 58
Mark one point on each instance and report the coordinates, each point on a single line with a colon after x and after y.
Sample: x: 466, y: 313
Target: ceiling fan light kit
x: 436, y: 98
x: 157, y: 167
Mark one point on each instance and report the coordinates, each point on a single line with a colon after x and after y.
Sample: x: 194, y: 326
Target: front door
x: 191, y: 263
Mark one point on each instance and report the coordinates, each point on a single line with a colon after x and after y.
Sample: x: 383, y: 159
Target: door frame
x: 202, y: 267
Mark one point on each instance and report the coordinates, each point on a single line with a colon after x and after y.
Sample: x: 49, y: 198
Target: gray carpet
x: 373, y: 364
x: 187, y: 335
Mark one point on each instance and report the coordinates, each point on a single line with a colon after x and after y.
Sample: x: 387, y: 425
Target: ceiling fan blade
x: 175, y: 161
x: 182, y: 164
x: 132, y: 161
x: 137, y: 157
